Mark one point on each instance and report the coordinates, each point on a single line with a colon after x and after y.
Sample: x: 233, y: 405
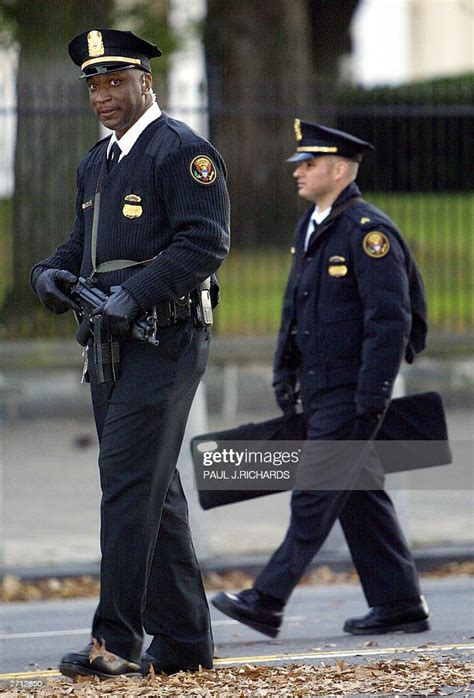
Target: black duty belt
x: 166, y: 314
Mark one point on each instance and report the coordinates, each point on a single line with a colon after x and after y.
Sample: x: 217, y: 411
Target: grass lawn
x: 439, y: 228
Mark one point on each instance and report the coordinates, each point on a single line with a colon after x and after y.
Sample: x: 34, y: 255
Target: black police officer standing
x: 152, y: 224
x: 354, y: 307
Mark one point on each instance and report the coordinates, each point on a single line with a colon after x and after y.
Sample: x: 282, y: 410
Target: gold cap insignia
x: 95, y: 45
x: 133, y: 209
x: 297, y: 127
x: 339, y: 270
x: 337, y: 259
x: 203, y: 169
x: 376, y: 244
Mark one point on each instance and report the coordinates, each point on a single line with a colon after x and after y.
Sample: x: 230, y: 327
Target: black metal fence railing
x: 421, y: 174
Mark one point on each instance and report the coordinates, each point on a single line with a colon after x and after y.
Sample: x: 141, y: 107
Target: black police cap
x: 100, y: 51
x: 313, y: 140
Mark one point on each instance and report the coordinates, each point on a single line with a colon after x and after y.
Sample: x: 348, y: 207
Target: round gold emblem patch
x: 376, y: 244
x: 203, y: 169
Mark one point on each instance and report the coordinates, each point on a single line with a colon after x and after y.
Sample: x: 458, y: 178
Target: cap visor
x: 298, y: 157
x: 106, y: 68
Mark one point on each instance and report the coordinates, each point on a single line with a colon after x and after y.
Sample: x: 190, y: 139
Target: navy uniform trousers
x: 378, y: 548
x: 150, y: 577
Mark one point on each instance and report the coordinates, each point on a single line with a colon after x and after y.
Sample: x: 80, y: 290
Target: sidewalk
x: 51, y: 502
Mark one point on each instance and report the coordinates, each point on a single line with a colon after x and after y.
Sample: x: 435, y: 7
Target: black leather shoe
x: 251, y: 607
x: 410, y: 616
x: 105, y: 667
x: 169, y: 665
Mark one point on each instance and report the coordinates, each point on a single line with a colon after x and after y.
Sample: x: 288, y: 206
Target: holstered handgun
x: 83, y: 332
x: 106, y: 354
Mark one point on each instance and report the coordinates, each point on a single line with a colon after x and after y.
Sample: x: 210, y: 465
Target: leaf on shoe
x: 98, y: 649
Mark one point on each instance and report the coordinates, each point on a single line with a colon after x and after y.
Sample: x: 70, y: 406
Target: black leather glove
x: 49, y: 287
x: 367, y: 424
x: 286, y: 394
x: 119, y: 312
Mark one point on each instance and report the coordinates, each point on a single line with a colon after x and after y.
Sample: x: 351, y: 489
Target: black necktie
x: 113, y: 158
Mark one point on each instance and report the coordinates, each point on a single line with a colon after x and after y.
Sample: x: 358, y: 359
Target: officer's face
x: 316, y: 179
x: 120, y: 98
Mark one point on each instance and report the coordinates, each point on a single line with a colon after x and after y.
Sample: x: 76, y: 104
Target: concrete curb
x: 426, y: 559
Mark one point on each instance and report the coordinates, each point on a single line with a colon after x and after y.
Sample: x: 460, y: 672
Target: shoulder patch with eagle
x: 376, y: 244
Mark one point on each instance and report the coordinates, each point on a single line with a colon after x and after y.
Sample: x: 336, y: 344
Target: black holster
x: 106, y: 354
x: 83, y: 332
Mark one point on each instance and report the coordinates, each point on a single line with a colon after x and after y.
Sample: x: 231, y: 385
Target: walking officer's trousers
x: 377, y: 545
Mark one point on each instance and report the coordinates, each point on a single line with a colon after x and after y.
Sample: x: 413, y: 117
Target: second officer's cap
x: 100, y: 51
x: 313, y: 140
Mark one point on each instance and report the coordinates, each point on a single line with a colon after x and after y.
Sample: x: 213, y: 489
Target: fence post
x: 401, y: 497
x: 197, y: 424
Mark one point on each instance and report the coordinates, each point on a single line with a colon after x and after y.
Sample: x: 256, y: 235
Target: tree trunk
x: 264, y: 60
x: 257, y: 56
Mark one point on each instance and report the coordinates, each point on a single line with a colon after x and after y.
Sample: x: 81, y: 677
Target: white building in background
x: 441, y: 37
x: 394, y: 41
x: 402, y: 40
x: 187, y: 94
x: 8, y: 68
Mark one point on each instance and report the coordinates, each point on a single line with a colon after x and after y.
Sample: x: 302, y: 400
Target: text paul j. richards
x: 246, y: 475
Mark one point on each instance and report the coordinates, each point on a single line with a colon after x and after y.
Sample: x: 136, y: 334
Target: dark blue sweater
x: 183, y: 215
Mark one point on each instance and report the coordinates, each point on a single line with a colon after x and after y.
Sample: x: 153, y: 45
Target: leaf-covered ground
x: 15, y: 589
x: 421, y: 677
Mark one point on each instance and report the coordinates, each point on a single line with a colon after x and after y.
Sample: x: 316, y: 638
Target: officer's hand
x: 286, y: 394
x: 49, y: 288
x: 119, y: 312
x: 367, y: 424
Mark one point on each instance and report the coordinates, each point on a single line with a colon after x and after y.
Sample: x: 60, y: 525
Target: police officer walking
x: 151, y: 228
x: 354, y: 307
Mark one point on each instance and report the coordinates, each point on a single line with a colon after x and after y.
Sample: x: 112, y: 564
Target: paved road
x: 34, y: 635
x: 52, y: 500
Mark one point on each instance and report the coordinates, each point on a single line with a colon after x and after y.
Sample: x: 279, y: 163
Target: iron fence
x: 421, y: 175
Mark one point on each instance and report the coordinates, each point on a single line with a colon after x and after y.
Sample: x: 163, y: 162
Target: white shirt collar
x: 316, y: 217
x: 130, y: 137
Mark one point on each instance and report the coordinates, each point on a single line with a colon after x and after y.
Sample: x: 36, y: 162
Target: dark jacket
x: 356, y: 327
x: 184, y: 221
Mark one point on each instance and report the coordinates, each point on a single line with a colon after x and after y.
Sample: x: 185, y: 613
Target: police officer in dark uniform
x: 152, y: 226
x: 354, y: 307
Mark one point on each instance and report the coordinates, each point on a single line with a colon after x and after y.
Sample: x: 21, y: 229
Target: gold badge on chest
x: 133, y: 207
x: 337, y: 270
x: 337, y: 265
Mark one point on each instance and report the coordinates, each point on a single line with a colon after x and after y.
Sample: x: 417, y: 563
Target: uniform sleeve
x: 382, y: 280
x: 287, y: 360
x: 69, y: 254
x: 191, y: 182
